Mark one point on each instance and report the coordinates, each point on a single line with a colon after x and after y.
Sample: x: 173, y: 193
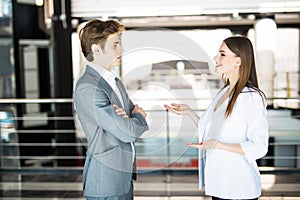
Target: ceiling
x: 186, y: 13
x: 137, y: 8
x: 180, y: 13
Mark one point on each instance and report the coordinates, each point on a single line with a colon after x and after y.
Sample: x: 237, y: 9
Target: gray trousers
x: 128, y: 196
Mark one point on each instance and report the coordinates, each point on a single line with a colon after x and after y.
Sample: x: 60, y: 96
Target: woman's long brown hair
x: 242, y: 47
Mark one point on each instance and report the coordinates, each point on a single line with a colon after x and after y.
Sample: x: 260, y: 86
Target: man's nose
x: 121, y: 50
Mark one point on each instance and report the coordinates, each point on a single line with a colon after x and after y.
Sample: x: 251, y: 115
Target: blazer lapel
x: 101, y: 82
x: 110, y: 92
x: 123, y: 92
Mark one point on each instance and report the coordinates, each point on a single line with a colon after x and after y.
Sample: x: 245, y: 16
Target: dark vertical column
x: 19, y: 76
x: 25, y: 26
x: 299, y: 64
x: 44, y: 77
x: 63, y: 78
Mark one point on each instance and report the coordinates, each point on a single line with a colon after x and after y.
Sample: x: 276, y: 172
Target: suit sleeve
x: 256, y: 145
x: 100, y: 110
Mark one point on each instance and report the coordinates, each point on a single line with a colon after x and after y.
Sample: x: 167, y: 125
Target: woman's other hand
x: 204, y: 145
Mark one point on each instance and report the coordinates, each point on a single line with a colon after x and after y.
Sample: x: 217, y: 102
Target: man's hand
x: 137, y: 109
x: 120, y: 111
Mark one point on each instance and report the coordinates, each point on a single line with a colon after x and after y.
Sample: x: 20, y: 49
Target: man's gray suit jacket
x: 109, y: 158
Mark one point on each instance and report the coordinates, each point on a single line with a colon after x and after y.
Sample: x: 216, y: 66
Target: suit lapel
x: 110, y: 92
x: 101, y: 82
x: 123, y: 92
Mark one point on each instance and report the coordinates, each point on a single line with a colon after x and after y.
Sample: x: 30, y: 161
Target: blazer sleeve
x: 256, y: 145
x: 99, y: 109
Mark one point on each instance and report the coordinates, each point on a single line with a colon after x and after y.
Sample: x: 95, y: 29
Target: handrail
x: 28, y: 100
x: 70, y: 100
x: 37, y: 160
x: 137, y: 144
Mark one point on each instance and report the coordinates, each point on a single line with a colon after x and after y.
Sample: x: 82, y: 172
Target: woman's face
x: 227, y: 62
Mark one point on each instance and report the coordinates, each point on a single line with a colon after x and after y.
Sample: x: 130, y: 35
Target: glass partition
x: 8, y: 133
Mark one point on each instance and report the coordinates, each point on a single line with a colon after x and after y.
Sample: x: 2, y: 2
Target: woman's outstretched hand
x: 214, y: 144
x: 179, y: 109
x: 183, y: 109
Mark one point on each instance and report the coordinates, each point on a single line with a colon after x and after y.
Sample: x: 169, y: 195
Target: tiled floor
x: 179, y: 186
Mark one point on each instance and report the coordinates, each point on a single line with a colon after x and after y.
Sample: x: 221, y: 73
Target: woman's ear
x: 96, y: 49
x: 238, y: 62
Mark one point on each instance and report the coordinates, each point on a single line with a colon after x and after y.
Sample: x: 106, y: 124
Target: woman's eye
x: 222, y: 54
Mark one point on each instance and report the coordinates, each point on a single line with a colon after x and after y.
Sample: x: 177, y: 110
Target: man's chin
x: 117, y: 63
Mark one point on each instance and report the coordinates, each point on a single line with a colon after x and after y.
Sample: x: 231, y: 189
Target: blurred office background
x: 169, y: 48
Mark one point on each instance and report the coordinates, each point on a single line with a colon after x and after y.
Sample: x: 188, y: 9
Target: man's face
x: 112, y: 52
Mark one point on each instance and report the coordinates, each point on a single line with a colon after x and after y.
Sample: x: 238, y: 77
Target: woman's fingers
x: 175, y: 104
x: 209, y: 144
x: 196, y: 145
x: 176, y: 108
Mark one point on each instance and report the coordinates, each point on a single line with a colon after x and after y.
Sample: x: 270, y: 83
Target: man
x: 109, y: 119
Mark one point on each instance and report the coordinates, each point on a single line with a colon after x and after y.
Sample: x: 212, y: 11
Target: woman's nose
x: 215, y: 58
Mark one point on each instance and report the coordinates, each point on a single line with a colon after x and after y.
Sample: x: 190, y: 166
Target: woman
x: 234, y: 128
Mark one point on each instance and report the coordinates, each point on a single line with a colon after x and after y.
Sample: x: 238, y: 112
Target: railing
x: 161, y: 148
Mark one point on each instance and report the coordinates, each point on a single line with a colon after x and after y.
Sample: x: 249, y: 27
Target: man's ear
x: 96, y: 49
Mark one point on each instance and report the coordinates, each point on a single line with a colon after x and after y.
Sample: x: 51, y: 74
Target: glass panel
x: 9, y: 150
x: 7, y: 88
x: 170, y: 66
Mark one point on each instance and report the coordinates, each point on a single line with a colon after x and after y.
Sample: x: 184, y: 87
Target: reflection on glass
x: 9, y: 149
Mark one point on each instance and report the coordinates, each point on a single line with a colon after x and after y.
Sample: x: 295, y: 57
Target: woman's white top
x: 230, y: 175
